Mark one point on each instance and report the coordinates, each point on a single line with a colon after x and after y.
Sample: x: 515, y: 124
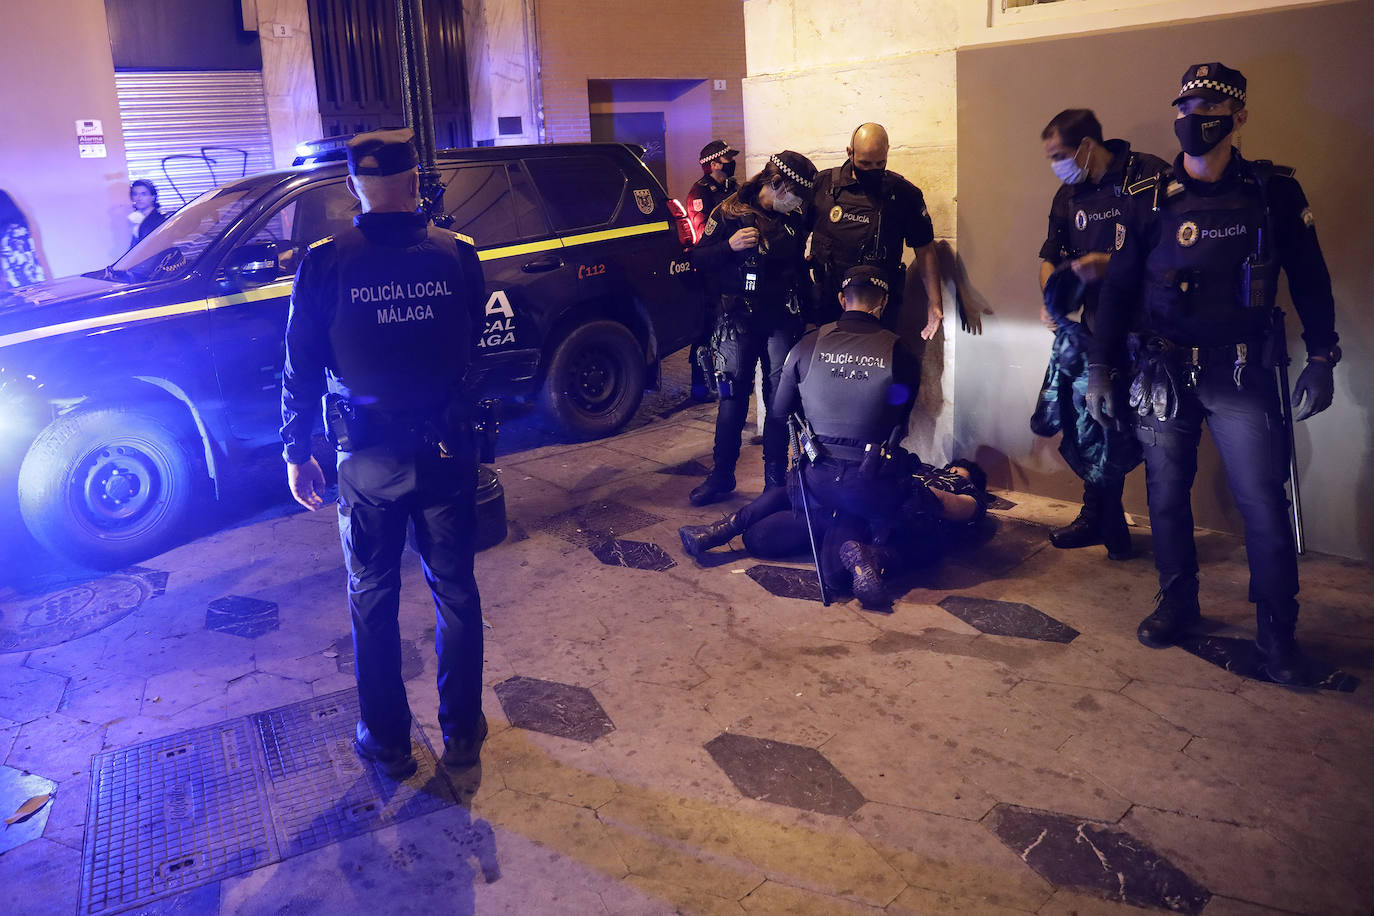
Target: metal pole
x: 418, y: 103
x: 1299, y: 540
x: 795, y: 428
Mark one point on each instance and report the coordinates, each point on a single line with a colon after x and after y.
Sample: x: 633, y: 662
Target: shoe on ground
x: 464, y: 753
x: 1281, y: 659
x: 397, y: 765
x: 713, y: 489
x: 1175, y: 614
x: 867, y: 580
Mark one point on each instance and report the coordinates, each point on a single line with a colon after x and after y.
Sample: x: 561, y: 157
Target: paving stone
x: 784, y: 774
x: 596, y: 521
x: 553, y: 708
x: 1096, y: 857
x: 1035, y: 777
x: 689, y: 468
x: 44, y: 864
x: 26, y: 694
x: 102, y: 698
x: 586, y: 468
x: 412, y: 659
x: 1008, y: 618
x: 241, y: 616
x: 950, y: 856
x: 673, y: 899
x: 787, y: 581
x: 56, y: 745
x: 553, y: 768
x: 17, y: 788
x: 1239, y: 656
x: 1001, y: 503
x: 633, y: 554
x: 1008, y: 544
x: 1101, y: 713
x: 773, y: 897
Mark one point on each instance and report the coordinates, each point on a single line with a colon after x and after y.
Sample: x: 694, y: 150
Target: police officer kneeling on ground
x: 717, y: 182
x: 1085, y: 227
x: 1204, y: 244
x: 854, y: 381
x: 863, y: 213
x: 383, y: 316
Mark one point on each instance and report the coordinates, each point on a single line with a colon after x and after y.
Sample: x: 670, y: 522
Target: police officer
x: 1204, y: 244
x: 383, y: 317
x: 716, y: 183
x: 751, y: 252
x: 863, y: 214
x: 1085, y: 227
x: 855, y: 382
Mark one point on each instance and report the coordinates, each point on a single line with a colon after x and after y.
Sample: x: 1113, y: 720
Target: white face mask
x: 1068, y: 170
x: 136, y: 217
x: 786, y: 202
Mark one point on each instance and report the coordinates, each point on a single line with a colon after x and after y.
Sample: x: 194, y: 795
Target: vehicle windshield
x: 181, y: 240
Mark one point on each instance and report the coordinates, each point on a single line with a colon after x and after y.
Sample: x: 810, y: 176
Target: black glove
x: 1314, y: 390
x: 1099, y: 397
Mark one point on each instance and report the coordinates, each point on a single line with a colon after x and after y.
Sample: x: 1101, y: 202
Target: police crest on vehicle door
x: 644, y: 200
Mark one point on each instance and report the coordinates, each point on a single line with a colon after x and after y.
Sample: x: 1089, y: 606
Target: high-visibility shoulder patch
x: 464, y: 238
x: 316, y: 244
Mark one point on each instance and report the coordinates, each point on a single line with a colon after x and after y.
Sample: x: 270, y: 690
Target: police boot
x: 716, y: 486
x: 1086, y: 529
x: 697, y: 539
x: 774, y: 474
x: 1111, y: 523
x: 1176, y: 612
x: 1278, y: 649
x: 863, y: 565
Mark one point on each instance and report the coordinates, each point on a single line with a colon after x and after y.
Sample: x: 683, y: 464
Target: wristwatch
x: 1331, y: 356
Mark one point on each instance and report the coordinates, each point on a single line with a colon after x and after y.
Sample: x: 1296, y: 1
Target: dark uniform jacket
x: 145, y: 228
x: 1088, y: 216
x: 705, y: 196
x: 854, y: 380
x: 777, y: 262
x: 850, y: 226
x: 1185, y: 262
x: 384, y: 315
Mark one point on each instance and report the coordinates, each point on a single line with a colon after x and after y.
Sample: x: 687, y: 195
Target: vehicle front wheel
x: 595, y: 380
x: 107, y: 487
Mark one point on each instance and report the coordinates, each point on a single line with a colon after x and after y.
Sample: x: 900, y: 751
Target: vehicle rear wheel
x: 107, y: 487
x: 595, y: 380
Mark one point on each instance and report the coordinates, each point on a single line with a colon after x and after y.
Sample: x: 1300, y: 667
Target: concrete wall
x: 288, y: 76
x: 56, y: 68
x: 630, y: 39
x: 1294, y: 60
x: 502, y: 75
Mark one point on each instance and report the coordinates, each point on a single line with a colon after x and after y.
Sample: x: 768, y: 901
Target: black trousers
x: 755, y: 340
x: 383, y: 490
x: 1248, y: 429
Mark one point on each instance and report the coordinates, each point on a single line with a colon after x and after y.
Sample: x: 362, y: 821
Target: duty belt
x: 844, y: 449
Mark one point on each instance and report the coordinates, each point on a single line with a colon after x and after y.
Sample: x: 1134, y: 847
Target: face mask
x: 869, y: 179
x: 786, y: 202
x: 1068, y: 170
x: 728, y: 168
x: 1198, y: 134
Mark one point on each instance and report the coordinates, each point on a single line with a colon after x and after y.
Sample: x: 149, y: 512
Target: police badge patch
x: 1120, y: 235
x: 644, y: 200
x: 698, y: 204
x: 1308, y: 219
x: 1080, y: 220
x: 835, y: 213
x: 1187, y: 234
x: 709, y: 227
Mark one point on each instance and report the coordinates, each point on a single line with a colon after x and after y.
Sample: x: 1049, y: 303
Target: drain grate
x: 321, y: 792
x: 173, y: 814
x: 183, y: 811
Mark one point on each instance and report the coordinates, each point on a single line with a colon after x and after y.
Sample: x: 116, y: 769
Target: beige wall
x: 1311, y: 105
x: 288, y: 76
x: 501, y: 69
x: 56, y: 68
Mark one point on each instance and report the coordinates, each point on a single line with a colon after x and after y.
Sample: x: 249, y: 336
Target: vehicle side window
x: 581, y: 191
x: 529, y: 213
x: 313, y: 214
x: 480, y: 201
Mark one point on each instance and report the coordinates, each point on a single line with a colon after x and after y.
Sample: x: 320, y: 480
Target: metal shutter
x: 206, y: 120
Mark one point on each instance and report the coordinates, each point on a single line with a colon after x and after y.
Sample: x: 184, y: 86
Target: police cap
x: 865, y: 273
x: 717, y: 149
x: 1213, y: 82
x: 382, y: 152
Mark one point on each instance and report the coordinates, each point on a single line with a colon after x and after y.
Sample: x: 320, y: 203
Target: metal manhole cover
x: 597, y: 521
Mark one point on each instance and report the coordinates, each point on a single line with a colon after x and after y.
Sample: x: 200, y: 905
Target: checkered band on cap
x: 1216, y: 85
x: 879, y: 282
x: 790, y: 173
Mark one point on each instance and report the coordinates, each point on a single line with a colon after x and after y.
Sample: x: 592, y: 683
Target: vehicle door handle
x: 540, y: 265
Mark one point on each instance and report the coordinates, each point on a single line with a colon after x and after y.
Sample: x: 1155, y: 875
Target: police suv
x: 129, y: 392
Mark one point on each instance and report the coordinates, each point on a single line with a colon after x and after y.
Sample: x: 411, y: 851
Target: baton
x: 1282, y: 369
x: 794, y: 427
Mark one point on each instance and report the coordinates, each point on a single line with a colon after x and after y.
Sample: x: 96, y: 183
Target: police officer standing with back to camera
x: 751, y: 251
x: 716, y: 183
x: 862, y: 213
x: 1202, y: 249
x: 383, y: 318
x: 1085, y: 227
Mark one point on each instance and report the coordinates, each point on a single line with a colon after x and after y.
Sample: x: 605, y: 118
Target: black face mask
x: 728, y: 168
x: 1199, y: 134
x: 869, y: 179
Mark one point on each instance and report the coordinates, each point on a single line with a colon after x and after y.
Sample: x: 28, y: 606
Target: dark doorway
x: 649, y: 129
x: 358, y: 70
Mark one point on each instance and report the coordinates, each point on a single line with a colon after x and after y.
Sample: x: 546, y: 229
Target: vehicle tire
x: 595, y: 380
x: 108, y: 486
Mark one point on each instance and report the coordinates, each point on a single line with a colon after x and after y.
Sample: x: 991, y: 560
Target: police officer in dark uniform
x: 716, y: 183
x: 1203, y: 245
x: 862, y: 213
x: 382, y: 324
x: 1085, y: 227
x: 751, y: 252
x: 855, y: 382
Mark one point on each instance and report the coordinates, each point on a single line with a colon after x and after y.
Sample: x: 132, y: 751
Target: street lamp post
x: 418, y: 104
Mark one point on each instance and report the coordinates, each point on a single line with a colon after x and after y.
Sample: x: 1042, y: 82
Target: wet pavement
x: 668, y: 737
